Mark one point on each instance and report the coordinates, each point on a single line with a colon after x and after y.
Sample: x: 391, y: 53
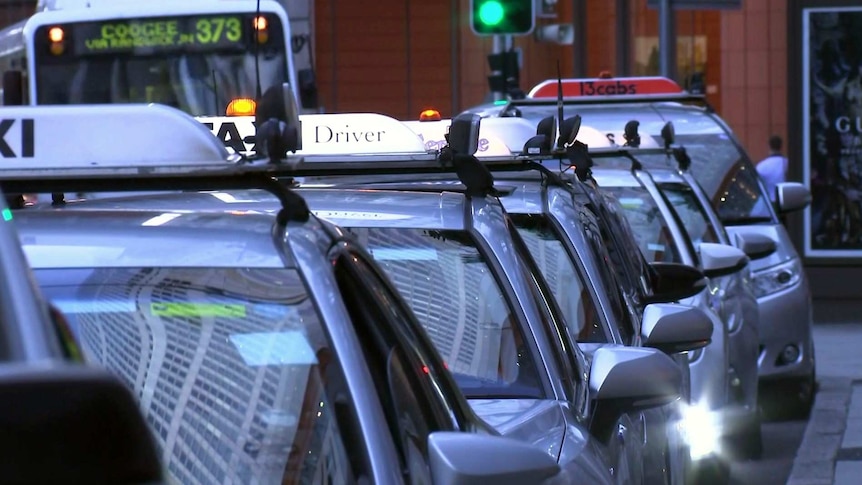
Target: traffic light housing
x: 502, y: 17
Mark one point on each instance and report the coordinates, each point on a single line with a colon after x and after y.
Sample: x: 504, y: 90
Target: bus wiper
x: 737, y: 221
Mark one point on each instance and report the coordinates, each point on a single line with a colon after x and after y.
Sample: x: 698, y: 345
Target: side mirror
x: 628, y: 379
x: 675, y: 281
x: 674, y: 328
x: 792, y: 196
x: 721, y: 259
x: 467, y: 458
x: 755, y: 245
x: 72, y: 424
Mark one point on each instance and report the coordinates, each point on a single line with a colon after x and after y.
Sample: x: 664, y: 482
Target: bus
x: 209, y: 58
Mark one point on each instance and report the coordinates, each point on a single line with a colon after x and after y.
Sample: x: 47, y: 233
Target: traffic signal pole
x: 502, y: 20
x: 497, y: 47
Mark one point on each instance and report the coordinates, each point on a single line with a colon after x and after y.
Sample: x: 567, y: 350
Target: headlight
x: 777, y: 278
x: 701, y: 429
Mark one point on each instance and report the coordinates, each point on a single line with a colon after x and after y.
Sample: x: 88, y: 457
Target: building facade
x: 402, y: 56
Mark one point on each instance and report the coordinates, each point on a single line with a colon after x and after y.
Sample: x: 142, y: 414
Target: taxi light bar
x: 429, y: 115
x: 622, y: 86
x: 241, y: 107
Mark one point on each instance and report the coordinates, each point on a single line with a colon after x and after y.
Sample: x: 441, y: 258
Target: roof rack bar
x: 246, y: 176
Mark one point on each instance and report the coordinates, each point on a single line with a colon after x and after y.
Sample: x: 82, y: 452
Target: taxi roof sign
x: 140, y: 136
x: 622, y: 86
x: 491, y: 144
x: 355, y: 134
x: 325, y: 134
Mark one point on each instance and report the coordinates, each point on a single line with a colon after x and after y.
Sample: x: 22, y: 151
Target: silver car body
x: 134, y: 235
x: 554, y: 425
x: 712, y: 375
x: 663, y: 442
x: 783, y: 295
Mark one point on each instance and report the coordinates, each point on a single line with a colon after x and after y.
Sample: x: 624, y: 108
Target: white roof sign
x: 89, y: 137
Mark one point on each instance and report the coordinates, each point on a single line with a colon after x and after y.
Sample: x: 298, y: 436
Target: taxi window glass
x: 453, y: 292
x: 200, y: 79
x: 232, y: 368
x: 571, y: 293
x: 693, y: 216
x: 607, y: 279
x: 648, y: 224
x: 727, y: 176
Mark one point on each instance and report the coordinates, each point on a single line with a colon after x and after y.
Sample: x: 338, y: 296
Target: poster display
x: 832, y: 130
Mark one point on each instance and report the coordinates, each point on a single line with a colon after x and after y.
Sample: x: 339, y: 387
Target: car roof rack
x: 158, y: 148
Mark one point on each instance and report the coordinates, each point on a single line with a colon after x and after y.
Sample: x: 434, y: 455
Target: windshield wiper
x: 742, y: 220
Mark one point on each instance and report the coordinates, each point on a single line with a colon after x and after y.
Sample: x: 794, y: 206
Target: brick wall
x: 754, y: 72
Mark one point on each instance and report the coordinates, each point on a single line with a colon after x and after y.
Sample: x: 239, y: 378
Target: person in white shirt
x: 773, y: 169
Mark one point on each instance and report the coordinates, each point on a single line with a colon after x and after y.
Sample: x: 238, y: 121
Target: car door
x: 406, y: 375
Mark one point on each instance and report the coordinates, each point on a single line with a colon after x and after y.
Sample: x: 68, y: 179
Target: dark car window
x: 450, y: 287
x: 691, y: 213
x: 232, y: 366
x: 608, y: 279
x: 649, y: 225
x: 565, y: 281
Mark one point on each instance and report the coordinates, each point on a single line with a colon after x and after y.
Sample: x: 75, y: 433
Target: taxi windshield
x: 450, y: 287
x: 232, y: 367
x: 648, y: 224
x: 718, y: 164
x: 198, y: 78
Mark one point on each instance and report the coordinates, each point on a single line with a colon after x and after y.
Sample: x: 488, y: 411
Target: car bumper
x: 785, y: 329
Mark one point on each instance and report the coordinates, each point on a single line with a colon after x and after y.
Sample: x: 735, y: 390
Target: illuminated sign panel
x: 607, y: 87
x: 169, y: 33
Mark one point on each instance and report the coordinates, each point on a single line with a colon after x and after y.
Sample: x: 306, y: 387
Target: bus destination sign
x: 158, y: 34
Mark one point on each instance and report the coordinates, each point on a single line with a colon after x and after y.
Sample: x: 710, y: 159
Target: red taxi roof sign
x: 619, y: 86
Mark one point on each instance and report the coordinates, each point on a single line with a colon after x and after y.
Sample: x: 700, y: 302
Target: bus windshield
x: 196, y: 63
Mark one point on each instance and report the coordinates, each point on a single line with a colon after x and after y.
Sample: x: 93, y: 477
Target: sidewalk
x: 831, y: 449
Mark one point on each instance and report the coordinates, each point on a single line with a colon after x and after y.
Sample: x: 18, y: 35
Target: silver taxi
x: 471, y: 292
x: 786, y: 359
x: 260, y: 346
x: 663, y: 236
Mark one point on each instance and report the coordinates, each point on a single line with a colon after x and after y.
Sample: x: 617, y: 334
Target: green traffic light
x: 491, y: 13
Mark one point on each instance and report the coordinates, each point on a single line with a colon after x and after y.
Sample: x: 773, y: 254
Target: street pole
x: 666, y: 39
x: 623, y: 41
x: 497, y: 48
x: 579, y: 48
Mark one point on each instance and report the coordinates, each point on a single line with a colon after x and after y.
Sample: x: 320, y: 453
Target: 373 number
x: 210, y: 31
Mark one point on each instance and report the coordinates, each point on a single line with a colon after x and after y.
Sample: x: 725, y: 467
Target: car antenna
x: 559, y: 104
x: 257, y: 50
x: 215, y: 93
